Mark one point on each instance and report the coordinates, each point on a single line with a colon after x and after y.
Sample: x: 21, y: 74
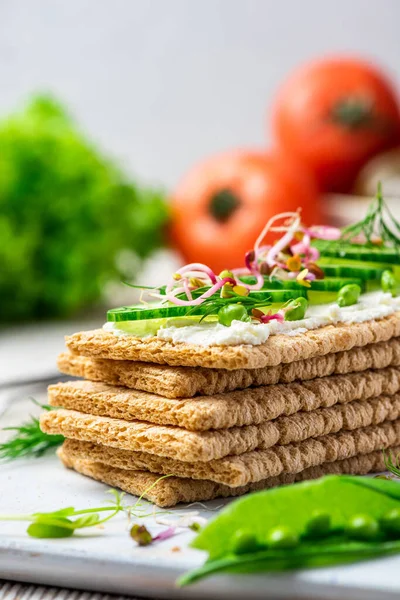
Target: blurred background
x: 137, y: 135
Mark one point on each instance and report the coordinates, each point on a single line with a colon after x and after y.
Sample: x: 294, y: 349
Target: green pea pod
x: 338, y: 497
x: 306, y: 556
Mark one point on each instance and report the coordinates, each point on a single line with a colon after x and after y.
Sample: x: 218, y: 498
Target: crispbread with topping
x: 276, y: 350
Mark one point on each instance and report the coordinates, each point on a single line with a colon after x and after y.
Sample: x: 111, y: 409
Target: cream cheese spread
x: 373, y: 305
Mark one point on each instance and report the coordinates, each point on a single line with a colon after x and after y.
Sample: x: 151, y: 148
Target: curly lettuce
x: 66, y: 212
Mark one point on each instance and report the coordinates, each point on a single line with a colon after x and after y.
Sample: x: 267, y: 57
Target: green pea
x: 319, y: 525
x: 244, y: 542
x: 390, y: 521
x: 232, y: 312
x: 388, y: 282
x: 296, y: 309
x: 282, y: 538
x: 362, y: 527
x: 349, y: 294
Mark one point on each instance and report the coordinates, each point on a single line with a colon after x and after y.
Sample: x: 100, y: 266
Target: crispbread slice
x: 161, y: 440
x: 276, y: 350
x: 185, y: 382
x: 258, y: 464
x: 244, y: 407
x: 170, y: 491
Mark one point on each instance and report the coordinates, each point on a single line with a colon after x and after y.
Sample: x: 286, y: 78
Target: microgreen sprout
x: 64, y: 522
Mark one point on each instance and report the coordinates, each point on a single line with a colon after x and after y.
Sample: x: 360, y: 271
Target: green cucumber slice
x: 278, y: 293
x: 141, y: 328
x: 277, y: 296
x: 374, y: 254
x: 334, y: 284
x: 140, y: 312
x: 328, y: 284
x: 164, y: 311
x: 353, y: 271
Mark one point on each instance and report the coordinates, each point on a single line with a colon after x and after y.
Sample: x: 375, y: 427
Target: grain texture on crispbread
x: 245, y: 407
x: 172, y: 490
x: 255, y: 465
x: 161, y: 440
x: 276, y: 350
x: 185, y: 382
x: 172, y: 442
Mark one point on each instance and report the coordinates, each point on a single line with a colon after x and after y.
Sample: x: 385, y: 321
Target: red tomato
x: 223, y: 203
x: 334, y: 115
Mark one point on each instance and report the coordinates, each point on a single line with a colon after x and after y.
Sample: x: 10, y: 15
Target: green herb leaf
x: 29, y: 439
x: 43, y: 530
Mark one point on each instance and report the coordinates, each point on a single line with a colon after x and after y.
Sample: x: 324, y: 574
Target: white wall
x: 161, y: 83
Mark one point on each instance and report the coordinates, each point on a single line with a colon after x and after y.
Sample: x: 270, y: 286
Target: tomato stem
x: 223, y: 204
x: 357, y: 113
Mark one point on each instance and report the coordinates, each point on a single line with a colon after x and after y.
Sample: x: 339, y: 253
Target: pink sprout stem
x: 197, y: 301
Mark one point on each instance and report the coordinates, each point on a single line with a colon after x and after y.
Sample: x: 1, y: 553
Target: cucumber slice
x: 164, y: 311
x: 277, y: 292
x: 334, y: 284
x: 277, y: 296
x: 139, y: 312
x: 151, y: 326
x: 353, y: 271
x: 328, y: 284
x: 374, y: 254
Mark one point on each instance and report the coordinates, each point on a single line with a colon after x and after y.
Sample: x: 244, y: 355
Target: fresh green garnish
x: 379, y: 233
x: 348, y: 295
x: 65, y: 522
x: 333, y: 520
x: 29, y: 439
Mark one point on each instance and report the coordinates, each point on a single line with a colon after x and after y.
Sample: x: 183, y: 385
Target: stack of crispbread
x: 223, y: 420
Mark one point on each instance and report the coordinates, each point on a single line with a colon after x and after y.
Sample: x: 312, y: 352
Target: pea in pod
x: 351, y: 519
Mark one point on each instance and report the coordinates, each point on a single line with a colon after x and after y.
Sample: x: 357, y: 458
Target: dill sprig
x: 378, y: 222
x: 392, y: 463
x: 29, y: 439
x: 378, y: 226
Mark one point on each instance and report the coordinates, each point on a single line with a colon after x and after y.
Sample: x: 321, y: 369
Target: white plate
x: 108, y: 560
